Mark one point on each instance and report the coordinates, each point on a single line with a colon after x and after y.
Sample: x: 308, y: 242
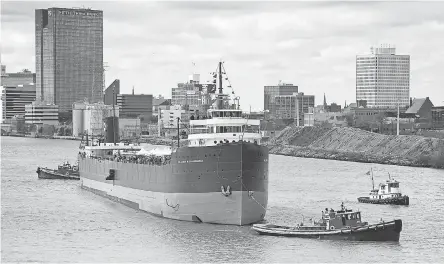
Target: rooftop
x: 75, y: 9
x: 416, y: 105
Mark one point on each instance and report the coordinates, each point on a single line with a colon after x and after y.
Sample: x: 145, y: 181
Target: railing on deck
x: 225, y: 129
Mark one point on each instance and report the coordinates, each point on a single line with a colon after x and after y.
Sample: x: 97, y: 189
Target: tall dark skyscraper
x: 69, y: 56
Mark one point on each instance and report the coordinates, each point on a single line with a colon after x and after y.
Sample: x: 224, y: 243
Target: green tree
x: 350, y: 120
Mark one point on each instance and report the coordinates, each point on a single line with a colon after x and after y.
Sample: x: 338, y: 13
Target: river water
x: 57, y: 221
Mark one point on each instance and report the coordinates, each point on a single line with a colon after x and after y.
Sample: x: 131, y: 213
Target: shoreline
x: 44, y: 137
x: 292, y: 151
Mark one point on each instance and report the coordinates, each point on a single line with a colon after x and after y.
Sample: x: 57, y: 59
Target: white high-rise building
x: 383, y: 78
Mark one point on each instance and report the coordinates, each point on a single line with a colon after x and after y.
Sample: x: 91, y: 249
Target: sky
x: 152, y: 45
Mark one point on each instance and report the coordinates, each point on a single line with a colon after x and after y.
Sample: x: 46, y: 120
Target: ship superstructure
x: 219, y: 176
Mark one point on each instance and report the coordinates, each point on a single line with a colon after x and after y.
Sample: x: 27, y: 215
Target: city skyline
x: 288, y: 41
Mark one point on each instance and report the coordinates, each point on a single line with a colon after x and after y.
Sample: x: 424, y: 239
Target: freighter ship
x: 220, y: 176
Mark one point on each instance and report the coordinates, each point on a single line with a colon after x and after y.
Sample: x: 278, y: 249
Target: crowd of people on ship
x: 137, y: 159
x: 216, y: 114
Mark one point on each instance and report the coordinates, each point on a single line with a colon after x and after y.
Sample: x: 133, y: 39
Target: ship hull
x: 403, y: 200
x: 220, y: 184
x: 214, y: 207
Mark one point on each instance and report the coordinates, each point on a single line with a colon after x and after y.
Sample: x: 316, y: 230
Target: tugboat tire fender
x: 332, y: 227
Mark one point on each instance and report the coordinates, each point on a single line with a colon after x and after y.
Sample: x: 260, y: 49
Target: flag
x: 368, y: 173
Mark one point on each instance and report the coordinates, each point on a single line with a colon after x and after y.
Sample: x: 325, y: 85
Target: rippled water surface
x: 57, y: 221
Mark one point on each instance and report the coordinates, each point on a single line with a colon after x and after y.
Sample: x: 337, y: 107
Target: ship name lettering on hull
x: 189, y: 161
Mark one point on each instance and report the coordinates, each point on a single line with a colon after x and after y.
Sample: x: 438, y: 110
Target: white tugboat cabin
x: 389, y: 189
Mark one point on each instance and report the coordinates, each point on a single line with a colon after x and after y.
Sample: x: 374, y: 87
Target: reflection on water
x: 57, y: 221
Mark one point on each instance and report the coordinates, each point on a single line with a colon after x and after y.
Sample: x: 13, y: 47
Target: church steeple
x: 325, y: 102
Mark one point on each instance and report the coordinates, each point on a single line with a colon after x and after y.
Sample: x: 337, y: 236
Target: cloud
x: 228, y: 7
x: 312, y: 44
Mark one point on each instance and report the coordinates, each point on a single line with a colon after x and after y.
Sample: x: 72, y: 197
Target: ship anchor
x: 175, y: 207
x: 225, y: 192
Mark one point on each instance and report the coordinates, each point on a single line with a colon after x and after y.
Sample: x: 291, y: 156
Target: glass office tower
x: 69, y: 56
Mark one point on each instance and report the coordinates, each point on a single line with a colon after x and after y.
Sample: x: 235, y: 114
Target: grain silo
x: 78, y: 117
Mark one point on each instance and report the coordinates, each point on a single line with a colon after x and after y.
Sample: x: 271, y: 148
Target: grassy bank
x: 357, y: 145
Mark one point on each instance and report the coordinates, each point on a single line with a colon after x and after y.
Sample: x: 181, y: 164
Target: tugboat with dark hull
x: 64, y: 172
x: 388, y: 193
x: 344, y: 224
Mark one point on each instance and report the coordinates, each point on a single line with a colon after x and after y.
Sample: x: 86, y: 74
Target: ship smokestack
x: 112, y: 131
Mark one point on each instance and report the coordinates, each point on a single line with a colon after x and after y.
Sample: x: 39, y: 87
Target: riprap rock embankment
x: 357, y: 145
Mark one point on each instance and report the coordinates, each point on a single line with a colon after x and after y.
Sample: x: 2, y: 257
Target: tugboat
x: 388, y: 193
x: 344, y: 224
x: 65, y: 172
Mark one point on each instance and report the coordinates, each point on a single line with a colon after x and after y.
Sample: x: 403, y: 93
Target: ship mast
x: 220, y: 101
